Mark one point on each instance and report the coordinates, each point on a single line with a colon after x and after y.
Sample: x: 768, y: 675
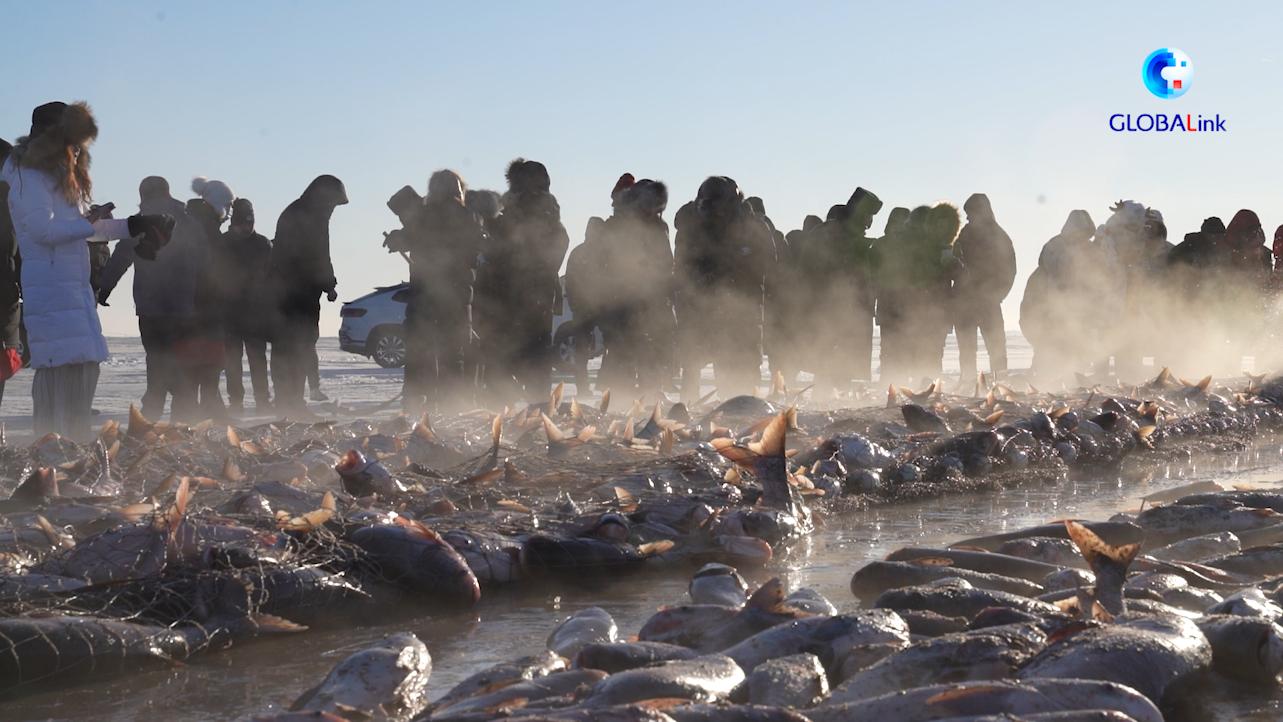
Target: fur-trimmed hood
x: 50, y: 151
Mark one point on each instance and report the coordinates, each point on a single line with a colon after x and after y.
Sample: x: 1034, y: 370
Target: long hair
x: 62, y: 151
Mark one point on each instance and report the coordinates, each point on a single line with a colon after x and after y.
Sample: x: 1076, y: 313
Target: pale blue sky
x: 799, y: 102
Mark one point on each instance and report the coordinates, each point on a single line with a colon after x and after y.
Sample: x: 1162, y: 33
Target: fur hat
x: 57, y: 128
x: 216, y: 193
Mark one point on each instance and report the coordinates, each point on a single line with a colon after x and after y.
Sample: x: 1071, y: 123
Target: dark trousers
x: 987, y: 317
x: 435, y: 344
x: 238, y: 346
x: 161, y: 337
x: 314, y: 362
x: 292, y: 349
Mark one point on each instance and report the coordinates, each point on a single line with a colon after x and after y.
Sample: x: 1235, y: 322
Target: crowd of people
x: 724, y: 288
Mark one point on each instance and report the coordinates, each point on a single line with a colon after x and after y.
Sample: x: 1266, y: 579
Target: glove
x: 154, y: 230
x: 331, y: 295
x: 103, y: 293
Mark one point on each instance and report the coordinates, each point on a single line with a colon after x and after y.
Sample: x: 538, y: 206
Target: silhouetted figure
x: 929, y: 310
x: 242, y: 265
x: 443, y: 245
x: 589, y: 295
x: 531, y: 235
x: 636, y: 300
x: 792, y: 297
x: 164, y: 299
x: 300, y: 272
x: 204, y: 354
x: 780, y: 340
x: 891, y: 264
x: 722, y: 253
x: 10, y: 289
x: 985, y: 277
x: 1055, y: 317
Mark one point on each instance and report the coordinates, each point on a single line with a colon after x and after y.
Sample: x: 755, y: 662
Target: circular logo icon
x: 1166, y: 72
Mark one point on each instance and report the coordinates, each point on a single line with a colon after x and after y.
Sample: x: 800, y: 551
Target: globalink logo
x: 1166, y: 73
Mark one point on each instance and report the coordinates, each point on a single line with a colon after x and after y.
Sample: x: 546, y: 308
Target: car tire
x: 387, y: 348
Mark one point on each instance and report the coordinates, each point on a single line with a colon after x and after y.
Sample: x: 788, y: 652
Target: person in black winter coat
x: 10, y: 272
x: 722, y: 254
x: 987, y: 272
x: 637, y: 307
x: 242, y: 264
x: 164, y: 292
x: 530, y: 232
x: 203, y: 354
x: 300, y: 272
x: 443, y: 243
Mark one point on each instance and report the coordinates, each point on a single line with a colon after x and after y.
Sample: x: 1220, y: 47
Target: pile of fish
x: 157, y: 541
x: 1144, y: 617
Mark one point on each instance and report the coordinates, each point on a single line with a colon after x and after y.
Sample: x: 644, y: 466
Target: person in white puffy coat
x: 49, y: 189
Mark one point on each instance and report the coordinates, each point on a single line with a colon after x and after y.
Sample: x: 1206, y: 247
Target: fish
x: 1265, y: 561
x: 1199, y: 548
x: 615, y: 657
x: 1245, y: 648
x: 708, y: 678
x: 415, y: 558
x: 493, y: 558
x: 1062, y: 552
x: 387, y: 680
x: 518, y: 695
x: 793, y: 681
x: 1113, y: 532
x: 1161, y: 651
x: 713, y: 628
x: 842, y: 642
x: 957, y: 598
x: 994, y: 697
x: 502, y: 675
x: 987, y: 562
x: 720, y: 584
x: 990, y: 653
x: 364, y: 477
x: 1167, y: 524
x: 877, y: 577
x: 920, y: 419
x: 593, y: 625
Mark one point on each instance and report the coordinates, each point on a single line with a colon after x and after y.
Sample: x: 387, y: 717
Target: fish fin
x: 139, y: 425
x: 585, y: 435
x: 314, y: 519
x: 1097, y: 553
x: 655, y: 416
x: 774, y: 435
x: 666, y: 442
x: 233, y: 438
x: 604, y: 406
x: 994, y: 418
x: 555, y: 434
x: 991, y: 399
x: 511, y: 505
x: 962, y: 693
x: 734, y: 452
x: 41, y: 484
x: 768, y: 596
x: 629, y: 430
x: 419, y: 529
x: 232, y: 472
x: 1058, y: 412
x: 496, y: 432
x: 47, y: 529
x: 179, y: 510
x: 651, y: 549
x: 733, y: 475
x: 576, y: 413
x: 554, y: 400
x: 758, y: 426
x: 272, y: 624
x: 1204, y: 383
x: 932, y: 562
x: 891, y: 397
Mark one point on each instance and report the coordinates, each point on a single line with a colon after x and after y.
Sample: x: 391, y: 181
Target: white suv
x: 374, y: 325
